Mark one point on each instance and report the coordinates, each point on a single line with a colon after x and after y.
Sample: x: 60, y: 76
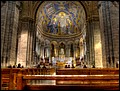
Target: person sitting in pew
x: 22, y: 66
x: 19, y: 65
x: 84, y: 66
x: 73, y: 66
x: 66, y: 66
x: 14, y: 66
x: 10, y: 66
x: 38, y: 66
x: 93, y: 66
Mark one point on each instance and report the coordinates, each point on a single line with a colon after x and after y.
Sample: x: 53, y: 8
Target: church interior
x: 59, y: 45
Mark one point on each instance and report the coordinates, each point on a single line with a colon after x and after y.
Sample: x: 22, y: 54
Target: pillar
x: 9, y: 26
x: 109, y: 24
x: 25, y: 42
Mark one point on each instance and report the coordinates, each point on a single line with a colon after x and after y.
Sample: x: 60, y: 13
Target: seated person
x: 19, y: 65
x: 14, y: 66
x: 66, y: 66
x: 84, y: 66
x: 93, y: 66
x: 10, y: 66
x: 73, y: 66
x: 38, y: 66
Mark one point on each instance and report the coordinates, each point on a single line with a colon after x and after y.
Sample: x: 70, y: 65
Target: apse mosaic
x: 61, y: 17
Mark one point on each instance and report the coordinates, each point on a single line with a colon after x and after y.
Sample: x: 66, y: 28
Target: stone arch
x: 54, y: 42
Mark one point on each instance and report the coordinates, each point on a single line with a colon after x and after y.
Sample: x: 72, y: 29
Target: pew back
x: 8, y: 79
x: 87, y: 81
x: 87, y: 71
x: 7, y: 74
x: 11, y: 76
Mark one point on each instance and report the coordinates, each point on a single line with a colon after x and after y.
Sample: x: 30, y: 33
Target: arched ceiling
x: 60, y: 17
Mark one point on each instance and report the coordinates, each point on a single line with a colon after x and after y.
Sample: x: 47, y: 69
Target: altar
x: 61, y: 61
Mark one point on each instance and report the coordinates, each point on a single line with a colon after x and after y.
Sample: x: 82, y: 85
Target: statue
x: 62, y: 51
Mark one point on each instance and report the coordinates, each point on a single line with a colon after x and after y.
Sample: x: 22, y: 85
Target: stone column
x: 9, y: 26
x: 75, y: 50
x: 4, y: 16
x: 49, y: 51
x: 87, y: 44
x: 81, y: 48
x: 93, y: 42
x: 90, y: 41
x: 25, y: 43
x: 42, y: 50
x: 109, y: 24
x: 37, y: 50
x: 67, y: 51
x: 46, y: 50
x: 56, y: 50
x: 97, y: 45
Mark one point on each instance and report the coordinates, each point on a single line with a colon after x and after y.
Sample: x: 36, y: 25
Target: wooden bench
x: 14, y: 76
x: 8, y: 79
x: 72, y: 87
x: 87, y: 71
x: 96, y: 82
x: 8, y: 74
x: 37, y: 71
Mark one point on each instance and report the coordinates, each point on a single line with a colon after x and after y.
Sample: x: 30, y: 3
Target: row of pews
x: 9, y: 75
x: 76, y: 79
x: 87, y: 71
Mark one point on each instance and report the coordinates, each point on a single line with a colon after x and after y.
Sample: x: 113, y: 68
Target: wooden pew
x: 6, y: 75
x: 87, y: 71
x: 87, y: 82
x: 72, y: 87
x: 38, y: 71
x: 27, y: 71
x: 8, y: 80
